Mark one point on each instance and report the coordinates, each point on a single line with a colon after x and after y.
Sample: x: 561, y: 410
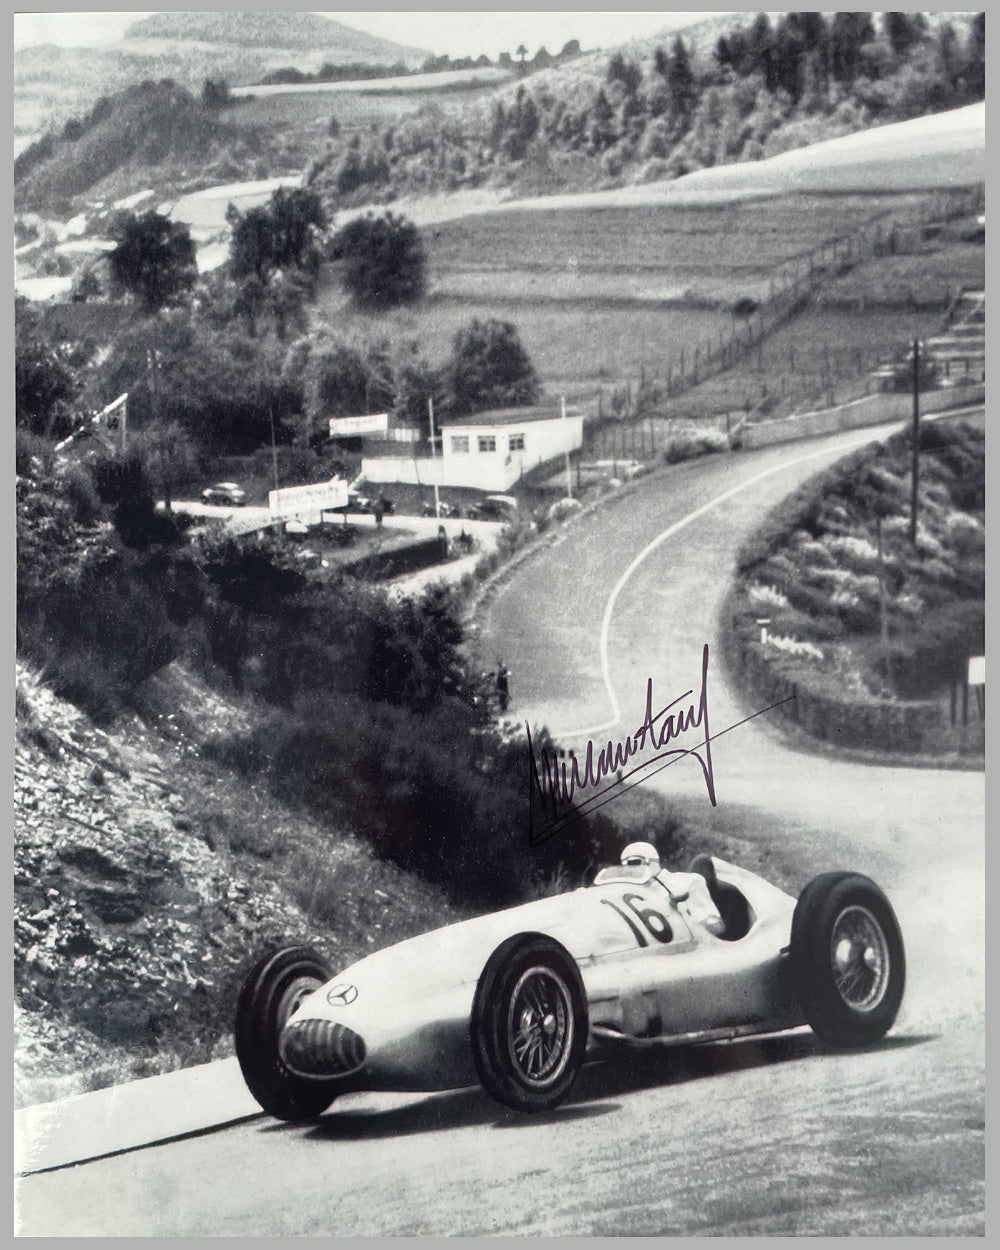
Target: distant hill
x: 53, y: 85
x: 159, y: 128
x: 304, y: 31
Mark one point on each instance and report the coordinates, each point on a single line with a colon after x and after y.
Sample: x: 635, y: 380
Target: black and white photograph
x: 500, y: 624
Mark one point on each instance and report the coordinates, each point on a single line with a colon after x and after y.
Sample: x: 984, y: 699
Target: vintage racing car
x: 519, y: 999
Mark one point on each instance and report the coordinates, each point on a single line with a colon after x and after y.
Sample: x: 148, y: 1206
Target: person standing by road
x: 503, y: 686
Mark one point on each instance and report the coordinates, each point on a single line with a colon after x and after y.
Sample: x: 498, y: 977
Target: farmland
x: 620, y: 292
x: 302, y: 114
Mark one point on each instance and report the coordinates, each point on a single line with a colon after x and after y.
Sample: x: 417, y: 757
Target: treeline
x: 361, y: 70
x: 763, y: 88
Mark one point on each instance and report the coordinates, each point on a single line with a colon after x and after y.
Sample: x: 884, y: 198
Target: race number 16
x: 652, y: 921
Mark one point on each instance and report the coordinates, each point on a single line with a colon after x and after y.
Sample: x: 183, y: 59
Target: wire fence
x: 783, y: 379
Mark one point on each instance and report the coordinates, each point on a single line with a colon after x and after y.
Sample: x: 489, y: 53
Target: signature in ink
x: 554, y: 783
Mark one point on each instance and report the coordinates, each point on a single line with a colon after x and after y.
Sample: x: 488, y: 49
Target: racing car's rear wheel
x: 847, y: 959
x: 274, y: 989
x: 529, y: 1023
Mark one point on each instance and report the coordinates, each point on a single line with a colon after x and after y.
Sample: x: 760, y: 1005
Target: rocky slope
x: 147, y: 879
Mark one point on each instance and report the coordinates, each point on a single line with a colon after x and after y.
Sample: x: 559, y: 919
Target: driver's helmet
x: 641, y: 854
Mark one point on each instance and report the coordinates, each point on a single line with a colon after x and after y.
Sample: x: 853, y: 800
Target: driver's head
x: 640, y: 855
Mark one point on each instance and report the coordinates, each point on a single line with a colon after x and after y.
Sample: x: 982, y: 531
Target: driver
x: 688, y: 890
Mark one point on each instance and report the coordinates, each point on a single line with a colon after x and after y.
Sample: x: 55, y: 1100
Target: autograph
x: 554, y: 783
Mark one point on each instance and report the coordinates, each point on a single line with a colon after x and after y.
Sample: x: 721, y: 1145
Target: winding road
x: 776, y: 1137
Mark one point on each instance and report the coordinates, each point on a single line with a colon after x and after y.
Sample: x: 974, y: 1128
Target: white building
x: 488, y: 451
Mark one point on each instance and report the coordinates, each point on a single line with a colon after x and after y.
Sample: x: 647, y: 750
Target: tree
x: 384, y: 262
x: 849, y: 32
x: 295, y: 214
x: 975, y: 56
x: 154, y: 260
x: 215, y: 93
x: 628, y: 73
x: 680, y: 79
x: 88, y: 286
x: 903, y: 30
x: 489, y: 368
x: 522, y: 125
x: 250, y: 244
x: 44, y: 384
x: 281, y: 234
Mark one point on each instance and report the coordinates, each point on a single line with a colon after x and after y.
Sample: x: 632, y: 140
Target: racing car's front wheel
x: 847, y: 959
x: 529, y: 1023
x: 276, y: 986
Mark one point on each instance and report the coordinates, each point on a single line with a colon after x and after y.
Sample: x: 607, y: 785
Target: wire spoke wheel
x: 540, y: 1025
x: 860, y: 957
x: 529, y: 1023
x: 847, y: 960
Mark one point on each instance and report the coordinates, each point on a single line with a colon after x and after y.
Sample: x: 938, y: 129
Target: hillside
x: 146, y: 877
x: 308, y: 32
x: 138, y: 135
x: 729, y: 91
x: 53, y: 84
x: 654, y: 111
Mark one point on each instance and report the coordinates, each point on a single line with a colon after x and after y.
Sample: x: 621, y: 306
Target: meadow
x: 621, y: 292
x: 301, y: 115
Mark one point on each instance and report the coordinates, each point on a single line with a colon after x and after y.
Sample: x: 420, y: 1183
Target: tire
x: 275, y: 987
x: 847, y: 960
x: 529, y: 1023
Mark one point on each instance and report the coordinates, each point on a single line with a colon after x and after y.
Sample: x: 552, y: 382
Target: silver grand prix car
x: 519, y: 999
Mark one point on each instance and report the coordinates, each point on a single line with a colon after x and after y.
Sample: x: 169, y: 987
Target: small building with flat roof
x: 486, y: 451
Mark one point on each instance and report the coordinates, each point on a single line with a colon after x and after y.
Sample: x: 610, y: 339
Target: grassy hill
x: 307, y: 32
x: 53, y: 85
x: 151, y: 131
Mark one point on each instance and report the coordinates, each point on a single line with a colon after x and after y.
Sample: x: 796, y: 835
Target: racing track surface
x: 776, y: 1137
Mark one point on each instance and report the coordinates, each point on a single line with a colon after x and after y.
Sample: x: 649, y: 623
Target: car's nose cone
x: 321, y: 1048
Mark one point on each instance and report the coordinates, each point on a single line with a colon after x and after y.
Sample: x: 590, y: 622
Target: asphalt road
x: 776, y: 1137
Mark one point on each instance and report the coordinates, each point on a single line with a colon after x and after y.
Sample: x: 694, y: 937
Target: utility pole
x: 153, y: 396
x: 916, y: 441
x: 437, y: 499
x: 274, y: 449
x: 569, y: 479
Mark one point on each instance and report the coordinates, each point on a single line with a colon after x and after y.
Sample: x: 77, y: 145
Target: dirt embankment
x: 147, y: 879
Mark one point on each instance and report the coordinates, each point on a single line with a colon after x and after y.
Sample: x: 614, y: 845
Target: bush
x: 939, y: 651
x: 688, y: 446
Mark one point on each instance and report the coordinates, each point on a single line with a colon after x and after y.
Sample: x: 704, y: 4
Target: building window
x: 459, y: 442
x: 487, y: 442
x: 515, y: 442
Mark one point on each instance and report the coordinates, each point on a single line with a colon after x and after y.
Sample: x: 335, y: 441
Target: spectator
x: 503, y: 686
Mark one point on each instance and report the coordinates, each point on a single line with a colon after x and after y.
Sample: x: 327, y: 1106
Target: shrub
x: 688, y: 446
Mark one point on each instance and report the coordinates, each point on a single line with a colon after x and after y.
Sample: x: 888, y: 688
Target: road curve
x: 753, y: 1138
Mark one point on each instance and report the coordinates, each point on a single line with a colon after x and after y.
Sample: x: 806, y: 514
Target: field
x: 822, y: 356
x: 301, y: 115
x: 615, y: 293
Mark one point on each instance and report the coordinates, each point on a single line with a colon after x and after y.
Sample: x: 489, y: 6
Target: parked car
x: 519, y: 999
x: 227, y: 494
x: 445, y: 510
x: 356, y: 502
x: 494, y: 508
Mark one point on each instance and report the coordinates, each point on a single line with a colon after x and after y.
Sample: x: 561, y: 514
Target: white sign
x: 350, y: 427
x: 292, y: 500
x: 977, y: 670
